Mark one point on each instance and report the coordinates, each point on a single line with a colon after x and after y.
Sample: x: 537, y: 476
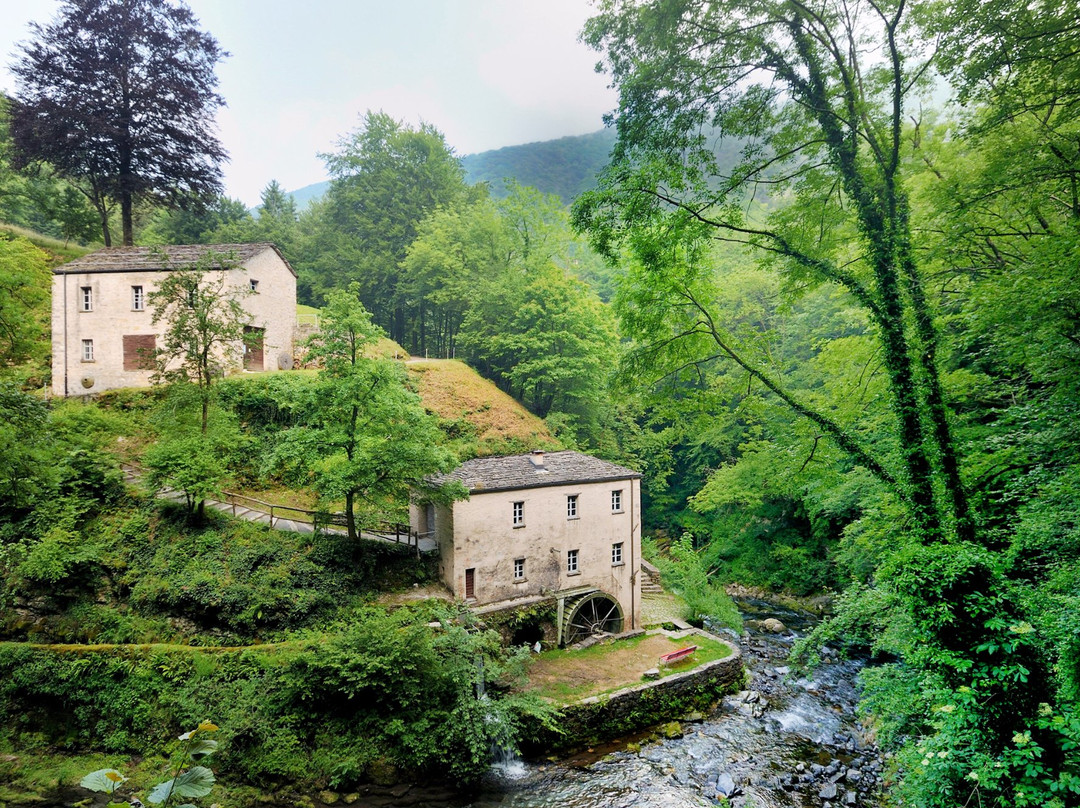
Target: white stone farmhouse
x: 557, y: 525
x: 103, y: 335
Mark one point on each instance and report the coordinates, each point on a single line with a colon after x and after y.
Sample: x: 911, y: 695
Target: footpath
x: 282, y: 517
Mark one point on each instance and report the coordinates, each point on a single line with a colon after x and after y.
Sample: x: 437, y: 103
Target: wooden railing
x: 385, y: 531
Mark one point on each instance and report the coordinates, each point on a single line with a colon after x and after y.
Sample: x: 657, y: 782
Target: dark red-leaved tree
x: 119, y: 96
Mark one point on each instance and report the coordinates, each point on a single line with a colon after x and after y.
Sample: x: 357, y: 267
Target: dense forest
x: 835, y: 326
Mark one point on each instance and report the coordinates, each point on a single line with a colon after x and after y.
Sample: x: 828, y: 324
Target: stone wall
x: 603, y: 718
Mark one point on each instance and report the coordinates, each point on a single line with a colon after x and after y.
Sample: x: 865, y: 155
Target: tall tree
x: 119, y: 96
x: 823, y: 125
x: 203, y: 321
x: 387, y: 177
x: 364, y: 436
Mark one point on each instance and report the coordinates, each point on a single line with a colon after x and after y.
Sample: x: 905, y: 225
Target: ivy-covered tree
x: 819, y: 124
x: 119, y: 96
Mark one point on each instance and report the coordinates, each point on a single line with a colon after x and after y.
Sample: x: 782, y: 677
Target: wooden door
x: 253, y: 347
x: 470, y: 584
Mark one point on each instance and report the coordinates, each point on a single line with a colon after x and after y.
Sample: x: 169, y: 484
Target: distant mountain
x: 565, y: 167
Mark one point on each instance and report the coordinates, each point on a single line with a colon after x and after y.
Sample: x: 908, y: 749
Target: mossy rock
x: 383, y: 772
x: 672, y: 729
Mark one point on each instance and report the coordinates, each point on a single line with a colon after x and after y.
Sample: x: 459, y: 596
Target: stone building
x: 562, y: 526
x: 103, y: 334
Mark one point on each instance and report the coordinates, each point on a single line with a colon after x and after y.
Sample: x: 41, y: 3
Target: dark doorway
x: 470, y: 584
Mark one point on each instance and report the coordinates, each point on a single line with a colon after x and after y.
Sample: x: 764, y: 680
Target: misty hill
x: 565, y: 166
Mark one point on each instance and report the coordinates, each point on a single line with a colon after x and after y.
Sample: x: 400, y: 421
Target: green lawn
x: 565, y: 676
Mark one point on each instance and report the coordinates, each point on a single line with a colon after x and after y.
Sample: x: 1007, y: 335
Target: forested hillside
x: 835, y: 328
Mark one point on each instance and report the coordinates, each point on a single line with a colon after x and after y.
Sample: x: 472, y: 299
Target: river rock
x: 828, y: 791
x: 773, y: 626
x: 725, y: 785
x: 328, y: 797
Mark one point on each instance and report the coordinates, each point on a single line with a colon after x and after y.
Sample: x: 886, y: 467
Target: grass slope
x: 473, y: 409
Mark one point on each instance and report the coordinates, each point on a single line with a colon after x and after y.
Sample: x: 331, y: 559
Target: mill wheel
x: 595, y: 614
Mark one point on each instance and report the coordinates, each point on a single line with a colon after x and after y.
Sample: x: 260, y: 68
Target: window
x: 571, y: 506
x: 519, y: 514
x: 86, y: 298
x: 88, y: 350
x: 138, y: 299
x: 254, y: 285
x: 616, y: 501
x: 519, y: 569
x: 616, y: 553
x: 572, y: 562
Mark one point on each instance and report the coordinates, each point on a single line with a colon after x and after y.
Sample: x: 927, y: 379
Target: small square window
x: 254, y: 284
x: 86, y: 298
x: 88, y: 350
x: 572, y: 562
x: 616, y: 553
x: 519, y: 514
x: 519, y: 569
x: 616, y: 501
x: 571, y: 506
x: 138, y: 299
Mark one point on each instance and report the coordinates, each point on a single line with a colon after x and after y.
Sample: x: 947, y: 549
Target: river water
x: 787, y: 742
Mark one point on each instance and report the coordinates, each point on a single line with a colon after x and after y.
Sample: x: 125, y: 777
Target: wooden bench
x: 675, y: 656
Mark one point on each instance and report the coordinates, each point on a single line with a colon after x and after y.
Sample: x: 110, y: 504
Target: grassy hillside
x: 59, y: 251
x: 474, y: 411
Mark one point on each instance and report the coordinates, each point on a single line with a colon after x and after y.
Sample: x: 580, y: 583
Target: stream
x: 785, y: 742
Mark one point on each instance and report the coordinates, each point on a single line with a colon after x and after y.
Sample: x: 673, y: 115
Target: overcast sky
x: 487, y: 73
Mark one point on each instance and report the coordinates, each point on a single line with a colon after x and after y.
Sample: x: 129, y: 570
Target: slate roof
x: 512, y: 472
x: 159, y: 259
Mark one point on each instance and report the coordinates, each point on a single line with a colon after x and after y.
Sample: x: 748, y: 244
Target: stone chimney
x: 536, y: 457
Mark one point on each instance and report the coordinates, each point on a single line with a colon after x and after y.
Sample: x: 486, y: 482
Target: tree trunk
x: 350, y: 517
x: 125, y: 218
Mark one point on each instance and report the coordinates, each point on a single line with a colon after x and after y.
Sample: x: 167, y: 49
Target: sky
x: 486, y: 73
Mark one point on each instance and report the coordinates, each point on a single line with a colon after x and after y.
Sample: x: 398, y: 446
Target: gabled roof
x: 512, y: 472
x: 165, y: 257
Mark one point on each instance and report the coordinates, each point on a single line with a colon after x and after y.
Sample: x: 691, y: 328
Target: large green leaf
x: 195, y: 782
x: 107, y: 780
x: 201, y: 748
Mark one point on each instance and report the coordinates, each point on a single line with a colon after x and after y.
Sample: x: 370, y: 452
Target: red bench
x: 675, y: 656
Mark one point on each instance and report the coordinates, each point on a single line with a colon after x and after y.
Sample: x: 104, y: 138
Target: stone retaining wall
x: 603, y: 718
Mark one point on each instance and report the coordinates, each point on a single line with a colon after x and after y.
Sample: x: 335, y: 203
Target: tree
x: 119, y: 96
x: 364, y: 436
x: 204, y: 323
x: 823, y: 128
x: 386, y: 177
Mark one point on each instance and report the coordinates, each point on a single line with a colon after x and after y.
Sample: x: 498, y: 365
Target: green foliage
x: 364, y: 437
x: 24, y: 296
x: 382, y: 695
x: 194, y: 781
x: 564, y: 167
x: 686, y: 575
